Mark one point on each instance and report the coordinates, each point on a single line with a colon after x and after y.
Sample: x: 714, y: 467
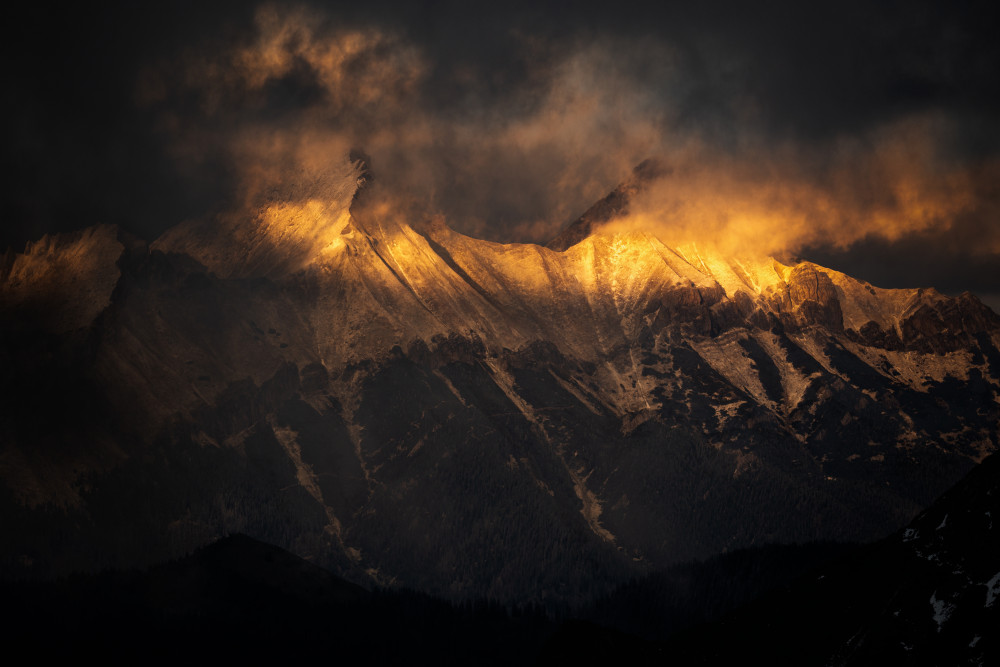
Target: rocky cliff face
x: 413, y: 406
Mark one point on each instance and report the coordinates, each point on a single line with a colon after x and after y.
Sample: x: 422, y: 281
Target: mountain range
x: 411, y: 407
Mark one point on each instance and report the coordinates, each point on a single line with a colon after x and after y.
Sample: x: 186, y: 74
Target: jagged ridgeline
x: 411, y: 406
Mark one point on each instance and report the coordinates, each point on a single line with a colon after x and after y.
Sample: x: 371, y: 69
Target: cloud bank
x: 829, y: 131
x: 282, y: 105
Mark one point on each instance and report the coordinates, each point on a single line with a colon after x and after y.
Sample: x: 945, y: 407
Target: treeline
x: 240, y: 599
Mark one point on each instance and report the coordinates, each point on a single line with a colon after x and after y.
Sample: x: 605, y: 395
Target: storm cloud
x: 847, y: 133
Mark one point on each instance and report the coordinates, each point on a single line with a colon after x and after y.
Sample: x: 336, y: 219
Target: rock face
x: 412, y: 406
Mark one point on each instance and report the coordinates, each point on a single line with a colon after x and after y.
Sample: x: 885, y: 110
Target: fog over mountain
x: 863, y: 138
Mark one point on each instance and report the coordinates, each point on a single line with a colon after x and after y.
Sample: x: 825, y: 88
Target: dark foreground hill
x: 242, y: 600
x: 925, y: 596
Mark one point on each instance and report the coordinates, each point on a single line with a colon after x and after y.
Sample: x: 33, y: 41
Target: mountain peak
x: 62, y: 281
x: 362, y: 163
x: 615, y: 205
x: 275, y: 237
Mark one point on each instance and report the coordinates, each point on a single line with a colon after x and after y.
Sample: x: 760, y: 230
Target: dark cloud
x: 510, y: 119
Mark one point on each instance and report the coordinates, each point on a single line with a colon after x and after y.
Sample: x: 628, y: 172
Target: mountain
x: 240, y: 599
x: 926, y: 595
x: 409, y: 406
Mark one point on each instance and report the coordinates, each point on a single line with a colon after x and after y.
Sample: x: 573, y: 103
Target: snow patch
x: 942, y: 610
x: 793, y: 381
x: 306, y: 477
x: 914, y: 369
x: 444, y: 378
x: 575, y: 391
x: 727, y: 411
x: 729, y: 359
x: 992, y: 589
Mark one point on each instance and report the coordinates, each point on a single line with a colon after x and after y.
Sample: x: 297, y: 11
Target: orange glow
x: 890, y: 190
x: 543, y: 162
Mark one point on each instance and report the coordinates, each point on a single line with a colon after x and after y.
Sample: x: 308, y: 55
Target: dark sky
x: 870, y: 130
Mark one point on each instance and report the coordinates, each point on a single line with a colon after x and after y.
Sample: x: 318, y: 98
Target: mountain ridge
x: 407, y: 404
x: 403, y: 271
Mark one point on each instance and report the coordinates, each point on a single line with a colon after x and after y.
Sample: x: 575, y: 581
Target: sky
x: 862, y: 136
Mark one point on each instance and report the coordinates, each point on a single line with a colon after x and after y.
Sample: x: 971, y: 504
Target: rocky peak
x: 63, y: 281
x: 276, y: 237
x: 613, y: 206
